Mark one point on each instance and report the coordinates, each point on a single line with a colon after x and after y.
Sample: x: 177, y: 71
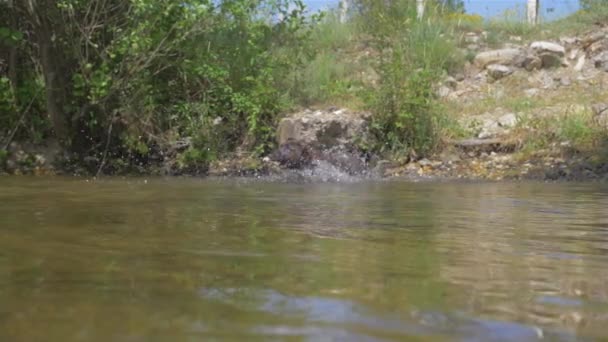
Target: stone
x: 597, y: 47
x: 573, y: 54
x: 498, y: 71
x: 601, y: 61
x: 580, y: 63
x: 508, y: 120
x: 472, y: 38
x: 325, y: 135
x: 565, y: 81
x: 509, y: 56
x: 600, y: 111
x: 568, y: 40
x: 351, y: 162
x: 548, y: 47
x: 181, y: 145
x: 549, y: 53
x: 39, y: 160
x: 599, y: 108
x: 444, y: 91
x: 451, y: 82
x: 532, y: 92
x: 592, y: 38
x: 550, y: 60
x: 490, y: 129
x: 449, y: 157
x: 424, y: 162
x: 292, y: 154
x: 532, y: 62
x: 288, y: 129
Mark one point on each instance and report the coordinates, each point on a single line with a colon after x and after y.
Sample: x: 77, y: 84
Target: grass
x: 573, y: 131
x: 337, y: 73
x: 577, y: 23
x: 346, y: 67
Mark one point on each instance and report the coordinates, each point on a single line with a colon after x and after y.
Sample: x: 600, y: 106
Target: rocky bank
x: 331, y: 141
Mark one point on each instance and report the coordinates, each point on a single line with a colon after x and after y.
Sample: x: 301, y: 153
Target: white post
x: 343, y: 10
x: 533, y: 6
x: 420, y: 9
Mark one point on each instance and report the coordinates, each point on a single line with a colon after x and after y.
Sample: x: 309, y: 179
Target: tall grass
x: 332, y: 74
x: 413, y: 55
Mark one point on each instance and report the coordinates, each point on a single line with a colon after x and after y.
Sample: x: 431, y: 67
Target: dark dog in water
x: 292, y: 154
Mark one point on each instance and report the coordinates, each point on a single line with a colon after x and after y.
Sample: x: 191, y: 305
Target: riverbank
x: 530, y: 105
x: 473, y: 161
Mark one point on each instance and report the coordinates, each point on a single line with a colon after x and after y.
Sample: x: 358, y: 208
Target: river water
x: 208, y: 260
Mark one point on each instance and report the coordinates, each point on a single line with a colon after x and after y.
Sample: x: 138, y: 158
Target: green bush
x: 579, y: 129
x: 146, y: 72
x: 413, y: 56
x: 406, y: 115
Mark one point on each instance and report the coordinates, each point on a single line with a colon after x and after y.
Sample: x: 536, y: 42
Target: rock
x: 351, y: 162
x: 424, y: 162
x: 532, y: 62
x: 451, y: 82
x: 532, y: 92
x: 597, y: 47
x: 472, y: 38
x: 601, y: 61
x: 292, y: 154
x: 548, y: 47
x: 444, y: 91
x: 39, y: 160
x: 498, y: 71
x: 510, y: 56
x: 381, y: 168
x: 326, y: 135
x: 600, y: 111
x: 547, y: 81
x: 508, y: 120
x: 323, y: 128
x: 565, y: 81
x: 573, y: 54
x: 580, y: 63
x: 599, y: 108
x: 11, y: 165
x: 568, y: 41
x: 550, y: 60
x: 449, y: 157
x: 180, y: 145
x: 490, y: 129
x: 549, y: 53
x: 592, y: 38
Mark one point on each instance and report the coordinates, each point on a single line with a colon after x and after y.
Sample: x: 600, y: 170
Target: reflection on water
x: 192, y: 260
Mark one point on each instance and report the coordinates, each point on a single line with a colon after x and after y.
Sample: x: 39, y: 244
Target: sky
x: 550, y: 9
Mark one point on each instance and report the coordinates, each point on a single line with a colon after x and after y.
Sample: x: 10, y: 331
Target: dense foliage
x: 127, y: 76
x: 413, y: 56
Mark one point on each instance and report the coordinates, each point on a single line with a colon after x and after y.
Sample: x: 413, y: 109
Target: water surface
x: 205, y: 260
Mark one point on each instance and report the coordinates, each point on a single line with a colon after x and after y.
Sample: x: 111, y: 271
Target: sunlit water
x: 201, y: 260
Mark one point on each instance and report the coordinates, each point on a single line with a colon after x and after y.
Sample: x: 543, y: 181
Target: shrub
x: 413, y: 56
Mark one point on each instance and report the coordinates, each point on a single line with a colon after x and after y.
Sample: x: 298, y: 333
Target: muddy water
x: 200, y: 260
